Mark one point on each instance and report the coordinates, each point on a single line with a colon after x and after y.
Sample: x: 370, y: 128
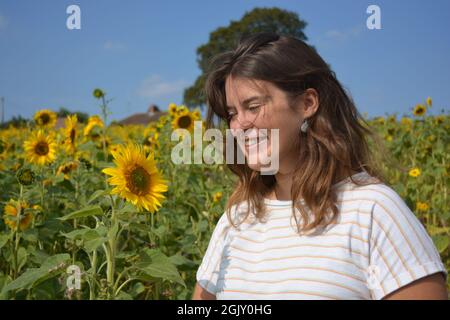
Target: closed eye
x: 254, y: 108
x: 231, y: 114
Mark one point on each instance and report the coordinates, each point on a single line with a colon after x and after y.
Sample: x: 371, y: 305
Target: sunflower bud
x: 98, y: 93
x: 25, y: 176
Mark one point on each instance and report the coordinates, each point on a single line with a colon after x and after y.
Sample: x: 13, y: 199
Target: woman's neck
x: 283, y: 186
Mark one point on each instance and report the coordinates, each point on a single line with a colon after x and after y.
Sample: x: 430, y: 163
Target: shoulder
x: 223, y: 223
x: 375, y: 196
x: 390, y: 216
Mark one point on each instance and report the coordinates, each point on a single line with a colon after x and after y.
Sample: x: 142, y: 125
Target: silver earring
x: 304, y: 126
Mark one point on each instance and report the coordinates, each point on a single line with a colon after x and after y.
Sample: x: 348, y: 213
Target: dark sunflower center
x: 41, y: 148
x: 27, y: 175
x: 66, y: 169
x: 147, y: 142
x: 72, y: 135
x: 138, y: 181
x: 45, y: 118
x: 184, y: 122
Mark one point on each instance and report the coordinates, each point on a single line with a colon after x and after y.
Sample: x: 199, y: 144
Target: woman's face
x: 251, y: 108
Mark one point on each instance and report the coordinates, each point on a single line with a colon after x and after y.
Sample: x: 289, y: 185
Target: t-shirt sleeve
x: 208, y: 271
x: 401, y: 251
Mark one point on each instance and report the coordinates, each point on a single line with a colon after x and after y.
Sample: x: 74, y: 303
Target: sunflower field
x: 90, y: 211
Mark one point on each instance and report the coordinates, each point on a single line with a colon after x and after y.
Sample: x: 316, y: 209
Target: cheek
x: 289, y: 135
x: 287, y: 125
x: 234, y: 125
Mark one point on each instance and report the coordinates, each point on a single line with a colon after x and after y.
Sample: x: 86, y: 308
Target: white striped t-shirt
x: 376, y: 246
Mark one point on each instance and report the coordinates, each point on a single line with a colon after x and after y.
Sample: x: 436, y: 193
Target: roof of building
x: 153, y: 114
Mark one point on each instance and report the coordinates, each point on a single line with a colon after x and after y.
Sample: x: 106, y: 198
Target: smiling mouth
x: 255, y: 140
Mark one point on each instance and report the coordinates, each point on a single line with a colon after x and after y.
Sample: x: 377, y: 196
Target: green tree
x: 225, y: 38
x: 82, y: 116
x: 16, y: 122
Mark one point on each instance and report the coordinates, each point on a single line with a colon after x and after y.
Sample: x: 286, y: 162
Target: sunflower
x: 173, y: 109
x: 45, y: 118
x: 184, y: 120
x: 415, y: 172
x: 439, y: 119
x: 392, y: 119
x: 197, y: 114
x: 93, y: 121
x: 429, y: 101
x: 67, y: 168
x: 422, y: 206
x: 98, y: 93
x: 151, y: 142
x: 162, y: 122
x: 406, y: 121
x: 217, y: 196
x: 3, y: 146
x: 40, y: 148
x: 379, y: 120
x: 10, y: 215
x: 419, y: 110
x: 113, y: 148
x: 136, y: 177
x: 182, y: 109
x: 25, y: 176
x: 71, y: 133
x: 431, y: 138
x: 150, y: 130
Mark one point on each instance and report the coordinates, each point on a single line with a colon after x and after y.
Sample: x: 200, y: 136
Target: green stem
x: 104, y: 133
x: 156, y: 290
x: 42, y: 190
x: 74, y: 252
x: 123, y: 285
x: 16, y: 235
x: 94, y: 266
x: 111, y: 250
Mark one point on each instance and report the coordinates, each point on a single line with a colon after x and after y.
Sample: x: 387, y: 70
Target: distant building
x: 153, y: 114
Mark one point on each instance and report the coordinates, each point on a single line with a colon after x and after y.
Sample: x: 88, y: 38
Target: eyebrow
x: 248, y: 100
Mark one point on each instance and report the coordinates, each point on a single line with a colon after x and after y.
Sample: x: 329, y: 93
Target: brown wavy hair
x: 336, y: 140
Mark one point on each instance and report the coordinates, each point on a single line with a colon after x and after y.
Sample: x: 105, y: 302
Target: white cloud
x: 154, y: 86
x: 3, y: 22
x: 113, y: 46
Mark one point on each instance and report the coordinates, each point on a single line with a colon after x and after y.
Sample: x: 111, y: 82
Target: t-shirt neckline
x: 336, y: 185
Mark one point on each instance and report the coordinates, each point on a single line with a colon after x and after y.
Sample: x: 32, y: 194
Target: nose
x: 242, y: 122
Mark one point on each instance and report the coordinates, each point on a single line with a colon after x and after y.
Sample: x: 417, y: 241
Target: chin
x: 255, y: 167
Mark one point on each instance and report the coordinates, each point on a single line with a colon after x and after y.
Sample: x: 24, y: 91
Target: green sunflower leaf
x: 156, y: 264
x: 32, y: 276
x: 85, y: 212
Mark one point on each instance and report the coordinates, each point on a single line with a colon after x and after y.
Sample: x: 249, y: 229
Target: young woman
x: 325, y: 225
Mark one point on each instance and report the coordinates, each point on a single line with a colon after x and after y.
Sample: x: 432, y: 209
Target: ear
x: 310, y: 102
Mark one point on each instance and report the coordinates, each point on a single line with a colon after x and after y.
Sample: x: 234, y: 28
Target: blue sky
x: 143, y: 52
